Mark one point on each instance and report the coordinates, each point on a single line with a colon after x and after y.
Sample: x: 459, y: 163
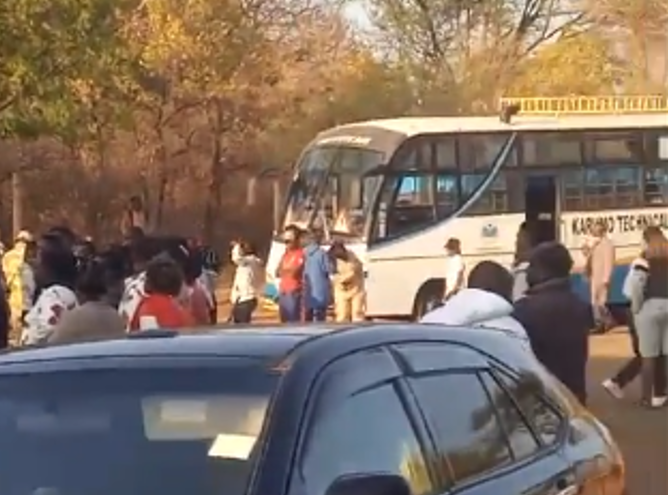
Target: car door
x: 357, y: 423
x: 484, y: 442
x: 586, y: 444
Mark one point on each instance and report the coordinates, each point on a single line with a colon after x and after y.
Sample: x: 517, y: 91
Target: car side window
x: 368, y: 432
x: 527, y: 392
x: 465, y: 424
x: 523, y: 442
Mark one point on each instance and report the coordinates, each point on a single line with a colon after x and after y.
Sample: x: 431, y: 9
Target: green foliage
x: 49, y: 50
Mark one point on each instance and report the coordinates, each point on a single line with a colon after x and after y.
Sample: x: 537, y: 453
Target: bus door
x: 541, y: 207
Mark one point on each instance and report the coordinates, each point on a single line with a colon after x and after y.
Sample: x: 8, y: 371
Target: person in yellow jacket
x: 12, y: 267
x: 348, y: 281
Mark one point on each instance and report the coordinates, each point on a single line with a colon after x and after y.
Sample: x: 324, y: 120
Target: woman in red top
x: 290, y: 274
x: 160, y: 307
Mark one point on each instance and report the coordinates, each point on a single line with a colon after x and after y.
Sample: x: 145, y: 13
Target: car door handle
x: 569, y: 490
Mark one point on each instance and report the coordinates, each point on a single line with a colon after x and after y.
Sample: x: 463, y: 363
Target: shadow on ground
x: 642, y: 435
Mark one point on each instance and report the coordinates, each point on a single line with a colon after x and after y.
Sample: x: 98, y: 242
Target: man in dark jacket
x: 557, y: 321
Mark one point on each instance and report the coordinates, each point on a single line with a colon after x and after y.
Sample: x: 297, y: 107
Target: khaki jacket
x: 348, y: 280
x: 601, y: 262
x: 12, y: 263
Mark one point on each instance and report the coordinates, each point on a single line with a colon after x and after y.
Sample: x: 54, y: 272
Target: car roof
x: 254, y: 342
x: 269, y: 342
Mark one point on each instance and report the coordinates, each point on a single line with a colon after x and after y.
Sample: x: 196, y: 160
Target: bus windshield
x: 333, y: 189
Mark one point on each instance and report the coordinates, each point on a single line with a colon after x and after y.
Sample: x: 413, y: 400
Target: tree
x: 459, y: 50
x: 577, y: 64
x: 180, y: 100
x: 638, y: 29
x: 46, y: 47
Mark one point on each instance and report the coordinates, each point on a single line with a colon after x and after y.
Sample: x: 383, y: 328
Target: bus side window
x: 601, y: 187
x: 656, y: 185
x: 656, y: 172
x: 408, y: 204
x: 447, y: 194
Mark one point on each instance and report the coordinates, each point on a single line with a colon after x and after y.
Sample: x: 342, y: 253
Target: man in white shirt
x: 454, y: 268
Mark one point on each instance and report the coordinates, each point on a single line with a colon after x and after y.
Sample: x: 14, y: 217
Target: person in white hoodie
x: 248, y: 282
x: 485, y: 302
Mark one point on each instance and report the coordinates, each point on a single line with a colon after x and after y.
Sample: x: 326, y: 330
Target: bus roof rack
x: 586, y: 105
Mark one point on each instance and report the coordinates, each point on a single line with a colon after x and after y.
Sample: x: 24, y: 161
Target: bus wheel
x: 428, y: 297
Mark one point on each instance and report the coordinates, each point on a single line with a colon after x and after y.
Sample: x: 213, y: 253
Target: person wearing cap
x: 454, y: 268
x: 12, y: 267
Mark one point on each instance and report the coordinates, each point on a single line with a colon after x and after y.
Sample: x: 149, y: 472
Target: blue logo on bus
x: 489, y: 231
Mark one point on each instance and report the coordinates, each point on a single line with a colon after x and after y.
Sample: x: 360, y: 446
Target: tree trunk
x: 213, y: 199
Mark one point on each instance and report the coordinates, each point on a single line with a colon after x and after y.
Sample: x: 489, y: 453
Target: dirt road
x: 643, y: 435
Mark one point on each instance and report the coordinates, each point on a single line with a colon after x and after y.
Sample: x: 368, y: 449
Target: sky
x: 356, y: 12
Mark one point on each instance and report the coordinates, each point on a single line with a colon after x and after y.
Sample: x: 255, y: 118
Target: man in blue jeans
x: 317, y: 285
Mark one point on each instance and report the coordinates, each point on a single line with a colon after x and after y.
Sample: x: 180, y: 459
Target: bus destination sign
x: 622, y: 223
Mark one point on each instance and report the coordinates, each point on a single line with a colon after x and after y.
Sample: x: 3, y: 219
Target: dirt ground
x: 642, y: 435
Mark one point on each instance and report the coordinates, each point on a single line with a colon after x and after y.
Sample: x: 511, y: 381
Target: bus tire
x: 428, y: 297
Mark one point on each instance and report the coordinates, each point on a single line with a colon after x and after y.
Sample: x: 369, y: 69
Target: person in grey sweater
x: 94, y: 318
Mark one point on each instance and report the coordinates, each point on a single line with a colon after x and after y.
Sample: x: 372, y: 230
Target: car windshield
x: 334, y: 189
x: 133, y: 432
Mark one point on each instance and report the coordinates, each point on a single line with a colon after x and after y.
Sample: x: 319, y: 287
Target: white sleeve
x: 46, y: 314
x: 454, y: 273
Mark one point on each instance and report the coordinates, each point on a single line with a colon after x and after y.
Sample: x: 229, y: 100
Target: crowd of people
x: 60, y: 288
x: 310, y: 278
x: 536, y: 304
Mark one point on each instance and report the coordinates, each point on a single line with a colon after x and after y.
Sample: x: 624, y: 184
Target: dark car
x: 380, y: 409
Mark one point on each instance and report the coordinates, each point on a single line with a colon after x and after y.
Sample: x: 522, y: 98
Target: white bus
x: 395, y: 190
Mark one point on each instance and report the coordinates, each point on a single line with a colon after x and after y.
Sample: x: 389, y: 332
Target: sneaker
x: 659, y: 401
x: 613, y: 389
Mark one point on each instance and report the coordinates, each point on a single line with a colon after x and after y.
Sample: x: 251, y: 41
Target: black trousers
x: 631, y: 369
x: 242, y: 312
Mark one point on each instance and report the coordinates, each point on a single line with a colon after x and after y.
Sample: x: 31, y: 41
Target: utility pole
x: 17, y: 203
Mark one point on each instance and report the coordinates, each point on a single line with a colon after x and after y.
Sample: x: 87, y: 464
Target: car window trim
x: 543, y: 450
x: 499, y: 471
x: 392, y: 384
x: 481, y: 478
x: 497, y: 414
x: 312, y: 400
x: 441, y: 479
x: 564, y: 422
